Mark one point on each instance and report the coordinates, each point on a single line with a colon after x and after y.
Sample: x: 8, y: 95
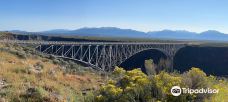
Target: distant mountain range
x: 103, y: 31
x: 117, y: 32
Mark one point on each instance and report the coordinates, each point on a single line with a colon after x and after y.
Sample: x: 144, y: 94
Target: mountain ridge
x: 118, y: 32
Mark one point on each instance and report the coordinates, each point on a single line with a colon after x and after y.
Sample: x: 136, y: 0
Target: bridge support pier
x: 171, y: 63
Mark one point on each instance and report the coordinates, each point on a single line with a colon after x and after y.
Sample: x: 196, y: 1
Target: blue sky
x: 143, y: 15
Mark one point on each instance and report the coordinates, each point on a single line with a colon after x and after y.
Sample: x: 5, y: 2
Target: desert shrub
x: 44, y: 60
x: 163, y: 65
x: 58, y: 61
x: 22, y: 55
x: 29, y: 95
x: 52, y: 57
x: 39, y: 65
x: 33, y: 95
x: 29, y: 50
x: 55, y: 61
x: 73, y: 65
x: 196, y: 79
x: 62, y: 62
x: 22, y: 70
x: 150, y: 67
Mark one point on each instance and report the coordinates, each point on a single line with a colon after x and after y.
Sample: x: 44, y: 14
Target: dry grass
x: 51, y: 82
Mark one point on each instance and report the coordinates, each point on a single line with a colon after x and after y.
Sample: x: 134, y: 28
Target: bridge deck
x: 90, y: 43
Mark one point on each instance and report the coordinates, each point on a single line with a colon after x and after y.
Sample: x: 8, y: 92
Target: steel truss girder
x: 105, y: 56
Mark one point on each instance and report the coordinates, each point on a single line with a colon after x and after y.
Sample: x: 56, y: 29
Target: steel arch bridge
x: 102, y: 55
x: 105, y: 56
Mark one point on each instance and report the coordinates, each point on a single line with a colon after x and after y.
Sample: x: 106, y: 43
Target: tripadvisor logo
x: 176, y: 91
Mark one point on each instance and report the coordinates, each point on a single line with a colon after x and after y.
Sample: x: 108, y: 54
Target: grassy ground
x: 25, y: 76
x: 6, y: 35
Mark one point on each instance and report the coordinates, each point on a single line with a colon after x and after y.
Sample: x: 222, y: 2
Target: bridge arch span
x: 157, y: 49
x: 138, y: 59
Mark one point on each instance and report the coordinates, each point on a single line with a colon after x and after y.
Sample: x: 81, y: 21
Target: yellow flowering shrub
x: 126, y: 83
x: 165, y: 81
x: 135, y: 86
x: 118, y: 71
x: 222, y: 96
